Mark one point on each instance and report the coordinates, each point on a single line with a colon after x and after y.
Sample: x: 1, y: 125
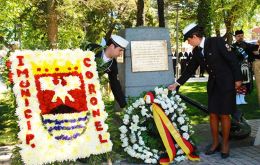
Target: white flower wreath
x: 135, y: 140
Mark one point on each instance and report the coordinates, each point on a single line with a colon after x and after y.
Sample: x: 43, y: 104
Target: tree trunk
x: 140, y: 13
x: 229, y: 31
x: 109, y: 32
x: 217, y: 29
x: 228, y: 20
x: 229, y: 23
x: 204, y: 16
x: 52, y: 26
x: 160, y: 4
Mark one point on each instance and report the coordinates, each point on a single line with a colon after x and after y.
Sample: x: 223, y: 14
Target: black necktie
x: 200, y: 51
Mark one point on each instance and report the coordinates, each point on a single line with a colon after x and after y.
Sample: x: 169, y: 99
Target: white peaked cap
x: 188, y: 28
x: 119, y: 41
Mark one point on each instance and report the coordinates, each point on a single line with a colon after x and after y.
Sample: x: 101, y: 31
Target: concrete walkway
x: 242, y: 152
x: 5, y: 154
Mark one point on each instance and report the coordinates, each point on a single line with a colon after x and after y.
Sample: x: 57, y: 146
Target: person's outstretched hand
x: 173, y: 86
x: 238, y: 84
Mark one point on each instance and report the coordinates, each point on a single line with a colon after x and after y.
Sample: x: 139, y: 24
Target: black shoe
x: 224, y: 155
x: 210, y: 152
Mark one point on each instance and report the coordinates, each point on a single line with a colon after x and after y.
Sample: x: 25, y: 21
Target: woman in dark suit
x: 224, y: 77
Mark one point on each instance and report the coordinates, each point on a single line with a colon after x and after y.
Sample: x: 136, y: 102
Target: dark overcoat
x: 115, y: 85
x: 223, y: 69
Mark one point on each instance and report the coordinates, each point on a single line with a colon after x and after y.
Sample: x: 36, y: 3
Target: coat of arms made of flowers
x: 59, y: 105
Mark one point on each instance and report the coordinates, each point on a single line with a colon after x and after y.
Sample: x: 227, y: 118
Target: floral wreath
x: 139, y: 137
x: 59, y: 105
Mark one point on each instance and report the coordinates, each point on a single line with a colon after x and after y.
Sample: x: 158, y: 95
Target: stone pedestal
x: 134, y: 83
x: 257, y: 138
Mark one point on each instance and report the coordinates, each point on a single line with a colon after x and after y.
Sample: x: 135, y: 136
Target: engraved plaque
x: 149, y: 55
x: 120, y: 59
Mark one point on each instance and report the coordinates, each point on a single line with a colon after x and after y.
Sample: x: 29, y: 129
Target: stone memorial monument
x: 147, y: 60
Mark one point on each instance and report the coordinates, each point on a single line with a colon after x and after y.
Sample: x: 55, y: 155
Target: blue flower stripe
x: 58, y: 128
x: 65, y: 137
x: 59, y: 122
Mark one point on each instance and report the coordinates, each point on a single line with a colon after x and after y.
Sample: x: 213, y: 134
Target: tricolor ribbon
x: 169, y: 134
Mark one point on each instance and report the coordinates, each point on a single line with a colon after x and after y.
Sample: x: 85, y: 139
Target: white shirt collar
x: 105, y: 58
x: 202, y: 43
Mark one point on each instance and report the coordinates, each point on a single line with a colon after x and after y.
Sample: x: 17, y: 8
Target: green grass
x: 197, y: 91
x: 8, y: 121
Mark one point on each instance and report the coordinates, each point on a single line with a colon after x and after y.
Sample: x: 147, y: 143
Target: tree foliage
x: 104, y: 17
x: 204, y: 16
x: 78, y: 20
x: 234, y: 14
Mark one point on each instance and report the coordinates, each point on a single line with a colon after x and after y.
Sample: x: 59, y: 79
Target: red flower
x: 10, y: 77
x: 8, y: 64
x: 150, y: 94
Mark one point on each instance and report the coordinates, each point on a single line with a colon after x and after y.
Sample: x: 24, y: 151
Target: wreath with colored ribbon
x: 155, y: 128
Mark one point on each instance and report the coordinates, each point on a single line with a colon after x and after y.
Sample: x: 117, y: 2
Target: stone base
x: 257, y: 138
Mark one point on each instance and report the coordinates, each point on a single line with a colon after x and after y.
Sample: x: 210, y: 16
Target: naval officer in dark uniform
x: 114, y: 48
x: 224, y: 77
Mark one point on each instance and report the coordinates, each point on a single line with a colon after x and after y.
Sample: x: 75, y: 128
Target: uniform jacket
x: 248, y: 48
x: 222, y: 67
x: 112, y: 72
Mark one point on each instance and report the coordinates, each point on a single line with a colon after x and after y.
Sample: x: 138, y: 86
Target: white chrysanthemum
x: 180, y: 120
x: 123, y: 129
x: 171, y: 109
x: 184, y: 128
x: 134, y: 127
x: 164, y: 106
x: 165, y: 91
x: 141, y: 142
x: 132, y: 138
x: 167, y: 112
x: 144, y: 111
x: 126, y: 119
x: 135, y: 104
x: 179, y: 152
x: 148, y: 161
x: 186, y: 135
x: 164, y: 96
x: 135, y: 118
x: 141, y: 101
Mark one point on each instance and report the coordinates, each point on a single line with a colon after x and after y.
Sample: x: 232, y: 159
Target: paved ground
x: 5, y: 154
x: 242, y: 151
